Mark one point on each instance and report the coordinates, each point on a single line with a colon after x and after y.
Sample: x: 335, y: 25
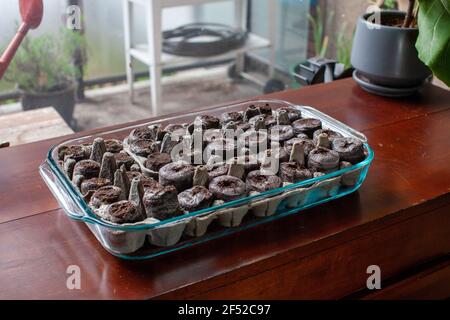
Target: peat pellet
x: 143, y: 148
x: 123, y: 159
x: 227, y: 188
x: 223, y: 148
x: 349, y: 149
x: 87, y: 168
x: 93, y: 184
x: 330, y: 133
x: 257, y: 181
x: 231, y: 116
x: 243, y: 126
x: 157, y: 160
x: 208, y: 121
x: 176, y: 130
x: 307, y: 126
x: 141, y: 134
x: 162, y: 202
x: 217, y: 171
x: 294, y: 172
x: 179, y: 174
x: 251, y: 112
x: 293, y: 114
x: 264, y: 108
x: 133, y: 174
x: 211, y: 135
x: 322, y: 159
x: 122, y: 212
x: 196, y: 198
x: 76, y: 152
x: 281, y: 133
x: 113, y: 145
x: 106, y: 195
x: 307, y: 144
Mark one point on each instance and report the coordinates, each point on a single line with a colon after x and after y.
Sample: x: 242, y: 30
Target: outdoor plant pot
x: 62, y: 100
x: 385, y: 56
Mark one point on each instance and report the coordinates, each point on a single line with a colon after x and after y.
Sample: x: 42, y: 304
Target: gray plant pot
x: 62, y: 100
x: 386, y: 55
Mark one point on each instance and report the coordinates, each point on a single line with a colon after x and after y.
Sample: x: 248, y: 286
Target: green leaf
x: 389, y: 4
x: 46, y: 61
x: 433, y: 43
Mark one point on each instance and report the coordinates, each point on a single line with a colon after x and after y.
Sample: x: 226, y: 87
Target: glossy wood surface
x: 399, y: 218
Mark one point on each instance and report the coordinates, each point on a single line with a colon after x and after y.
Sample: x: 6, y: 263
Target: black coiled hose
x: 202, y: 40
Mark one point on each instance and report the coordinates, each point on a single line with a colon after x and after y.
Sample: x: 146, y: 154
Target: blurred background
x: 301, y: 29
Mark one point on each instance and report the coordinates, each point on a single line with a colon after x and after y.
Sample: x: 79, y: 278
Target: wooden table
x: 34, y: 125
x: 399, y: 220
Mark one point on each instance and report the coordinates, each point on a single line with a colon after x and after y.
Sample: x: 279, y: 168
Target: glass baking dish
x: 153, y: 238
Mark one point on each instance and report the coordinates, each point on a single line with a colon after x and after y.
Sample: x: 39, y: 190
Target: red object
x: 31, y: 12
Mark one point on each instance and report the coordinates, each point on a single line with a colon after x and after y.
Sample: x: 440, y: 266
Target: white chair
x: 151, y: 53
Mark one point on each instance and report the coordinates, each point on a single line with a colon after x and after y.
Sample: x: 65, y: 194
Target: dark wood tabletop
x: 398, y: 220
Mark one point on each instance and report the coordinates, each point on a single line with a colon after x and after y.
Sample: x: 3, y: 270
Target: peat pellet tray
x: 170, y: 226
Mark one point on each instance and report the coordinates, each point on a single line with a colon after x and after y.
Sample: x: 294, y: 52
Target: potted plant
x: 44, y: 72
x: 395, y: 52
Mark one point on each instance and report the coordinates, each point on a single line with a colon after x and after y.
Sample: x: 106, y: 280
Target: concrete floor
x: 183, y: 92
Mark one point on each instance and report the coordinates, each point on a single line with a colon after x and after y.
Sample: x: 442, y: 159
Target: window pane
x: 292, y: 29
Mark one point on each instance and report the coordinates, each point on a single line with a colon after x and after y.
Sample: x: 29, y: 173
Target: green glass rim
x: 90, y: 217
x: 93, y: 218
x: 228, y: 231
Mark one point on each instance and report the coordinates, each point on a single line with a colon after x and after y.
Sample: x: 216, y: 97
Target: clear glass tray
x: 148, y: 240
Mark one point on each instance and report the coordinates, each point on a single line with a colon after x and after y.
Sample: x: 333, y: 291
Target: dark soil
x: 395, y: 21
